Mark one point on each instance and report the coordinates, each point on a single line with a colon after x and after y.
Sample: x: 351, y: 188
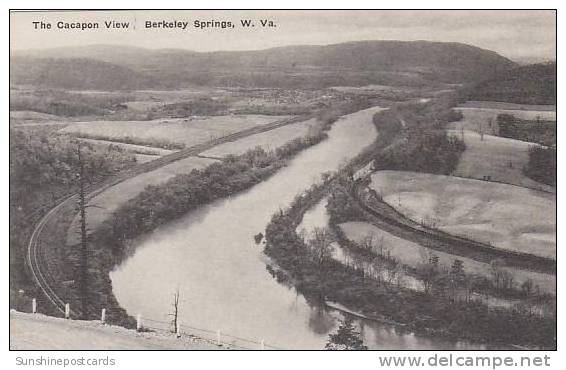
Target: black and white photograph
x: 283, y: 180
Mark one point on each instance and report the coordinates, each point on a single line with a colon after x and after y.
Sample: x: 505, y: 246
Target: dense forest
x: 43, y: 168
x: 531, y: 84
x: 426, y: 146
x: 542, y: 164
x: 542, y: 159
x: 432, y: 152
x: 533, y: 131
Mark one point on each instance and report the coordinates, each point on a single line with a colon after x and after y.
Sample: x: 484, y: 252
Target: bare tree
x: 320, y: 245
x: 175, y: 313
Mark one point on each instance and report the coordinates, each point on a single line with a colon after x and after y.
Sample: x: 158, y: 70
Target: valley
x: 279, y: 191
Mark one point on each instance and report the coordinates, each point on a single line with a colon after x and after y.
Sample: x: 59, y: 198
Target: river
x: 211, y: 257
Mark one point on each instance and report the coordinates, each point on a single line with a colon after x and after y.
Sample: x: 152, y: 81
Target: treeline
x: 63, y: 108
x: 43, y: 168
x: 534, y: 131
x: 66, y: 104
x: 309, y: 266
x: 202, y: 106
x: 157, y: 205
x: 542, y: 164
x: 425, y: 146
x: 431, y: 152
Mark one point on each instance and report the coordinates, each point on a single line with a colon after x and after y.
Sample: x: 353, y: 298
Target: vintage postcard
x: 283, y: 180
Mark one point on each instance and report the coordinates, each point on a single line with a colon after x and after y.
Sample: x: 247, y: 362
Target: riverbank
x: 112, y: 241
x: 210, y: 254
x: 420, y: 312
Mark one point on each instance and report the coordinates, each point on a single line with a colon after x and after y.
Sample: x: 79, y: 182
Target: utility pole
x: 83, y: 281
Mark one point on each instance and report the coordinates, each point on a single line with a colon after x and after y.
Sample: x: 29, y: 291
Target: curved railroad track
x: 388, y: 218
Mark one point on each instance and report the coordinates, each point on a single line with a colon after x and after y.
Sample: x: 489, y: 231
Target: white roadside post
x: 218, y: 337
x: 262, y: 345
x: 178, y: 329
x: 138, y: 322
x: 67, y: 311
x: 103, y: 316
x: 33, y: 306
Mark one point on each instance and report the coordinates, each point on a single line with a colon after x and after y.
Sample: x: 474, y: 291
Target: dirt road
x: 39, y: 332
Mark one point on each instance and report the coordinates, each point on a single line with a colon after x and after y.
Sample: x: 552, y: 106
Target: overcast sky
x: 514, y: 34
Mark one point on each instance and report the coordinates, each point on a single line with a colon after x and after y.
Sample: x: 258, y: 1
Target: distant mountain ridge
x: 76, y: 73
x: 352, y: 63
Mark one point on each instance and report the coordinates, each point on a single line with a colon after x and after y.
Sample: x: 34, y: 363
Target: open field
x: 26, y: 115
x: 505, y: 216
x: 109, y: 200
x: 143, y: 105
x: 501, y: 158
x: 267, y: 140
x: 139, y: 149
x: 484, y: 119
x: 412, y: 254
x: 143, y: 158
x: 179, y: 131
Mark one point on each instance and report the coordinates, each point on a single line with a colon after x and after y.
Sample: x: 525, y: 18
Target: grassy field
x: 505, y: 216
x: 179, y: 131
x: 501, y: 158
x: 482, y: 117
x: 138, y: 149
x: 26, y: 115
x: 412, y: 254
x: 267, y: 140
x: 109, y: 200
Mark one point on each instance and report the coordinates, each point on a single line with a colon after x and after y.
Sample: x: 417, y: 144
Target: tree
x: 457, y: 277
x: 346, y: 338
x: 175, y: 313
x: 83, y: 279
x: 320, y: 245
x: 428, y: 272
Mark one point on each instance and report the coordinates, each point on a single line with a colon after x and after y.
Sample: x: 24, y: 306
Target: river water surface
x: 211, y: 257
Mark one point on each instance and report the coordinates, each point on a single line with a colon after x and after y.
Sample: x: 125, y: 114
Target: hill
x: 74, y: 73
x: 352, y: 64
x: 531, y: 84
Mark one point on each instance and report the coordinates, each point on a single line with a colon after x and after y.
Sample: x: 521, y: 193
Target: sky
x: 518, y: 35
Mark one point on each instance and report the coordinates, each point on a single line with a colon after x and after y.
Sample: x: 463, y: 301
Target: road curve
x: 35, y: 256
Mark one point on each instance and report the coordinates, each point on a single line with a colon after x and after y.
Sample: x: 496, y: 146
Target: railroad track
x: 384, y: 215
x: 35, y: 249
